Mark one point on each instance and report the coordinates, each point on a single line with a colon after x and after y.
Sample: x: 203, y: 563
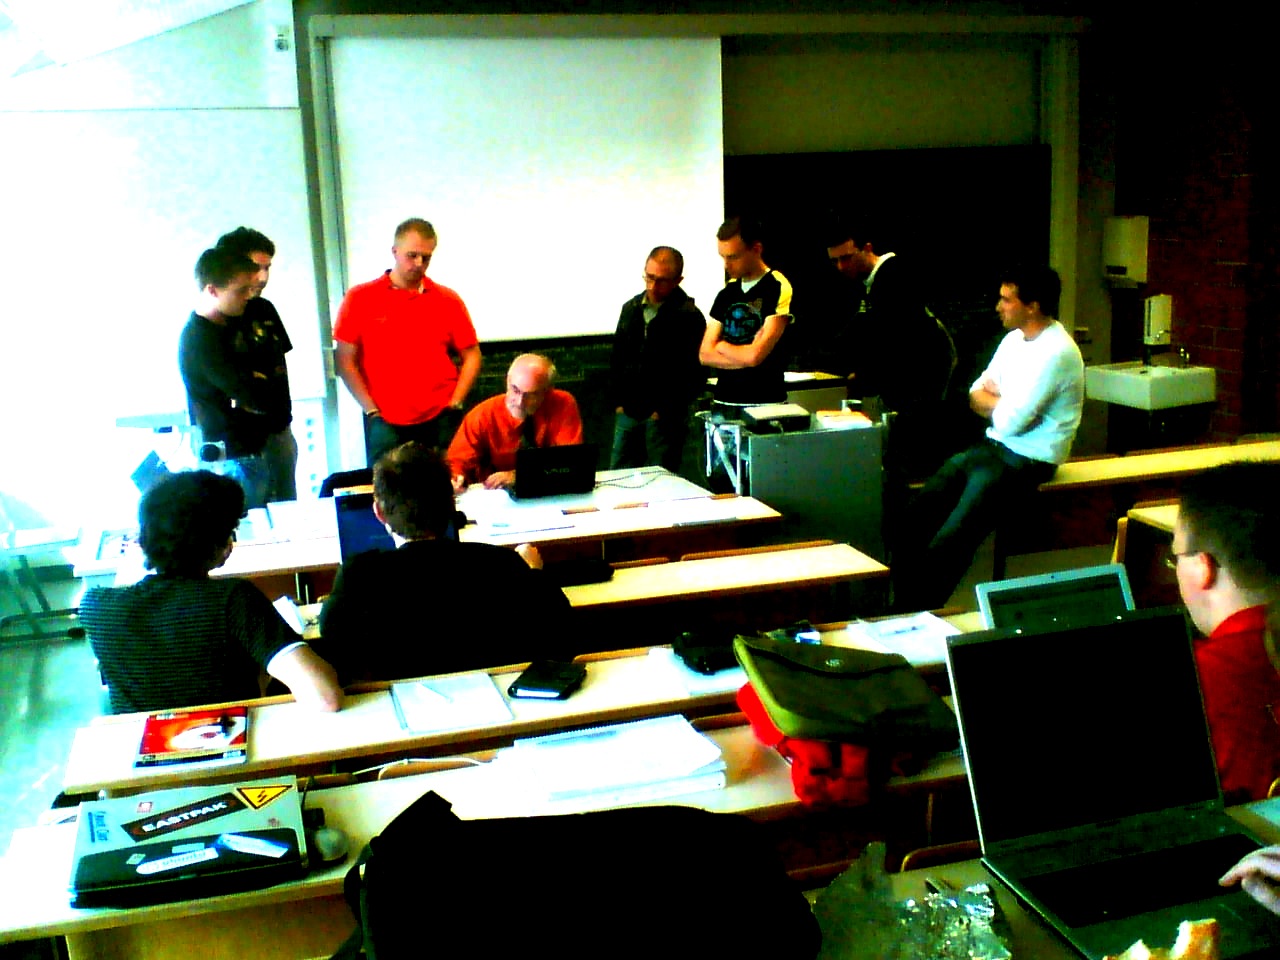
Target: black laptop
x: 555, y: 471
x: 1094, y: 782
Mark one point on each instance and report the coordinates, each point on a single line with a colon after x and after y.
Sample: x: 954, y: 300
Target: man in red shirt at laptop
x: 1226, y: 555
x: 532, y: 413
x: 397, y: 337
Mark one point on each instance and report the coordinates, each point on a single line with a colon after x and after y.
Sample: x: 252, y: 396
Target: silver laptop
x: 1094, y: 782
x: 1083, y: 595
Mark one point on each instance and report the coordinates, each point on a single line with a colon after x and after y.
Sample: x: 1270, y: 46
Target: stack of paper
x: 622, y: 763
x: 920, y: 637
x: 465, y: 700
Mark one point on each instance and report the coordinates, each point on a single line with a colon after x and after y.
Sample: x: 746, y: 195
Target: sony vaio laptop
x: 554, y: 471
x: 188, y: 842
x: 1094, y: 782
x: 1055, y: 599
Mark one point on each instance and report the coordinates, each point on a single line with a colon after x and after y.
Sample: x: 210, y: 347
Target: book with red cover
x: 207, y: 738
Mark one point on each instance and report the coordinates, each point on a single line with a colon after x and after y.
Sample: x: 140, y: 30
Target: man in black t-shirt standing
x: 743, y: 343
x: 749, y: 318
x: 226, y: 399
x: 266, y: 343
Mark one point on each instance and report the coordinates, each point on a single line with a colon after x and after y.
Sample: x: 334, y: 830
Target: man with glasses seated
x: 654, y: 371
x: 1226, y: 556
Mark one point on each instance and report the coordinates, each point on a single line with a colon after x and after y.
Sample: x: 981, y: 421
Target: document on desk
x: 495, y: 514
x: 681, y: 681
x: 467, y: 700
x: 619, y: 763
x: 920, y: 637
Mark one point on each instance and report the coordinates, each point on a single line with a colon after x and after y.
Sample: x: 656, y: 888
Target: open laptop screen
x: 1063, y: 597
x: 1078, y: 726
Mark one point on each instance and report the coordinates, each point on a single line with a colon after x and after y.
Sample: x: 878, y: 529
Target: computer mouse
x: 329, y: 844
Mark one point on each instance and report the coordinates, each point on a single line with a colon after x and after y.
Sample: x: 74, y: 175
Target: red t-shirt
x: 404, y: 342
x: 1241, y: 696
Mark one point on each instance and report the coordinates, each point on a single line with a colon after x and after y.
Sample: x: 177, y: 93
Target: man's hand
x: 1259, y: 875
x: 984, y: 398
x: 500, y: 480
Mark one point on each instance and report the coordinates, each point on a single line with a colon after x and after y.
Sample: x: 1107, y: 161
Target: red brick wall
x: 1200, y: 246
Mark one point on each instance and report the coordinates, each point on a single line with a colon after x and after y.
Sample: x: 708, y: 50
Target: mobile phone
x: 548, y: 680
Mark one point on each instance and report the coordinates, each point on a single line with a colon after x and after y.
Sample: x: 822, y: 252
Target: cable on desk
x: 621, y: 484
x: 411, y: 760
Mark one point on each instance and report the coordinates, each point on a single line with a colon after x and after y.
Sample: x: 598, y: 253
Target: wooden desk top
x: 1156, y: 466
x: 284, y: 737
x: 33, y: 894
x: 743, y: 574
x: 1161, y: 518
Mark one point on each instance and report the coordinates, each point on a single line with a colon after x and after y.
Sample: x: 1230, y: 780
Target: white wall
x: 117, y: 171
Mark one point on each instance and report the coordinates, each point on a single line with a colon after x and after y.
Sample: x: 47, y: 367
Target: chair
x: 346, y: 478
x: 18, y: 578
x: 1122, y: 540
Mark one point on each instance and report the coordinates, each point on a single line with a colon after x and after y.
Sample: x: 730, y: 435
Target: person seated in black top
x: 178, y: 638
x: 434, y: 605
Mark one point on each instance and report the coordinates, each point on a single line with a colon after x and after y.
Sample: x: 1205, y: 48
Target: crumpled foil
x: 861, y: 921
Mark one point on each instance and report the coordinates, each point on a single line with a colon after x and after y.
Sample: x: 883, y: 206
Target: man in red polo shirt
x: 397, y: 337
x: 1226, y: 556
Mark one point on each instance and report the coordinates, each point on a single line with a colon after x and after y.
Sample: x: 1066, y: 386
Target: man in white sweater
x: 1032, y: 392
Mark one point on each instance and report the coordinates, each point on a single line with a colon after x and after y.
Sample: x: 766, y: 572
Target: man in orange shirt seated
x: 532, y: 413
x: 1226, y: 555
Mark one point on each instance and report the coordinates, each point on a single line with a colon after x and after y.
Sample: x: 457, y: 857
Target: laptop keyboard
x: 1082, y: 896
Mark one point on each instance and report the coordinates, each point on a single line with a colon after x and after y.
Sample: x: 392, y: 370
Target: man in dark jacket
x: 655, y: 373
x: 434, y: 605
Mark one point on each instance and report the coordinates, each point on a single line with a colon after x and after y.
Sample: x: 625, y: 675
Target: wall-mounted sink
x: 1133, y: 384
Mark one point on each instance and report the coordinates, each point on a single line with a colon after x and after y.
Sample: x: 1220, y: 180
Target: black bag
x: 670, y: 882
x: 818, y: 692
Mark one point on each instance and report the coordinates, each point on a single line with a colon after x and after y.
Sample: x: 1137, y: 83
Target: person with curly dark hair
x: 179, y: 638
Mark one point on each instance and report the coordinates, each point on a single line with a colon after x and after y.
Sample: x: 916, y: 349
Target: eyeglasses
x: 1171, y: 561
x: 649, y: 278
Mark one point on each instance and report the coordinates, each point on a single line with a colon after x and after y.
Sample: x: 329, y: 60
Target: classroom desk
x: 308, y: 918
x: 286, y: 738
x: 728, y: 576
x: 292, y: 548
x: 749, y: 591
x: 1080, y: 504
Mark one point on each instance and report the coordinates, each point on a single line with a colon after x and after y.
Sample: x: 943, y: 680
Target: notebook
x: 1086, y: 594
x: 188, y: 842
x: 1094, y: 783
x: 554, y: 471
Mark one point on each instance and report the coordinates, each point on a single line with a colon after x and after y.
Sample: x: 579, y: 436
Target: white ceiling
x: 37, y: 33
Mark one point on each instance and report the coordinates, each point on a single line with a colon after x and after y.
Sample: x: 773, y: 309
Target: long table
x: 308, y: 918
x: 293, y: 547
x: 285, y: 737
x: 288, y: 738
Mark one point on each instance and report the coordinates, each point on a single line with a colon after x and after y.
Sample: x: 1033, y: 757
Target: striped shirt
x: 172, y: 641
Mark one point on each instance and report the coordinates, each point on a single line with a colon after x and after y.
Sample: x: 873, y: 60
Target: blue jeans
x: 380, y: 436
x: 252, y: 475
x: 955, y: 511
x: 649, y: 442
x: 281, y: 458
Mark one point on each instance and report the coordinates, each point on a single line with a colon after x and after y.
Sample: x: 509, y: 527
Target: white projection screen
x: 548, y: 166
